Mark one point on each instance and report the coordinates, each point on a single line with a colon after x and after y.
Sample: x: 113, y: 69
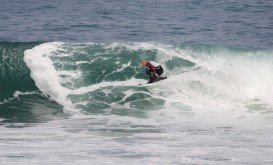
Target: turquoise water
x: 72, y: 90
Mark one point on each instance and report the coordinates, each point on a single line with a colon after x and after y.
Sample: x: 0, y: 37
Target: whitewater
x: 220, y: 74
x: 72, y: 90
x: 215, y: 106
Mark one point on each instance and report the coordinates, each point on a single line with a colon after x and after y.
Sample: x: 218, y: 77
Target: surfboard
x: 158, y: 79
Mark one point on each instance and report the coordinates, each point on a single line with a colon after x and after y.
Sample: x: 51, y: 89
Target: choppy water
x: 77, y: 100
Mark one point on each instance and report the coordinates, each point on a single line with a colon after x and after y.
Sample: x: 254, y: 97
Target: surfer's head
x: 143, y: 62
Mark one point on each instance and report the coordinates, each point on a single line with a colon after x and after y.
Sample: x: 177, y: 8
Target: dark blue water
x: 245, y: 24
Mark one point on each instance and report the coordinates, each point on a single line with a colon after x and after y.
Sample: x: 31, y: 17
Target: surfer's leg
x: 149, y: 73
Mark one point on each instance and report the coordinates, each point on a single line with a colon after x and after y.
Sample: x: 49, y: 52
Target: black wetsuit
x: 151, y: 70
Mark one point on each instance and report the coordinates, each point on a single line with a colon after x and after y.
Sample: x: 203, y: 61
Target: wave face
x: 15, y: 75
x: 20, y: 99
x: 104, y: 78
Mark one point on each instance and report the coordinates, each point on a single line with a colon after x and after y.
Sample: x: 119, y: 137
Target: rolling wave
x: 105, y: 78
x: 20, y: 99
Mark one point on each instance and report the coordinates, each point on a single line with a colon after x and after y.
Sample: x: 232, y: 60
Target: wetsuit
x: 152, y: 68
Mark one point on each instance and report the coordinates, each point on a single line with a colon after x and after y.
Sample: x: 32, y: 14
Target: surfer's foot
x: 152, y: 79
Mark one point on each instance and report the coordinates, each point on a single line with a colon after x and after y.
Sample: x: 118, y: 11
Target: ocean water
x: 72, y: 90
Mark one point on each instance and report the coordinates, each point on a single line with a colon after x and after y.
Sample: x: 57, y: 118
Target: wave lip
x: 43, y: 71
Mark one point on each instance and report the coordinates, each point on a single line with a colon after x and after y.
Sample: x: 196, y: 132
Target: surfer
x: 153, y: 70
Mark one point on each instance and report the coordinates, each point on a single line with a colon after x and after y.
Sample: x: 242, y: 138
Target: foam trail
x: 131, y: 82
